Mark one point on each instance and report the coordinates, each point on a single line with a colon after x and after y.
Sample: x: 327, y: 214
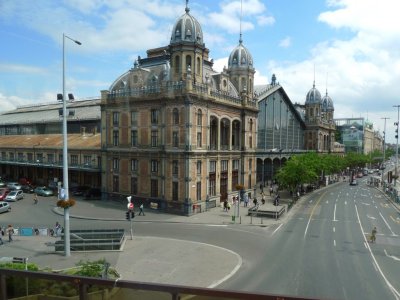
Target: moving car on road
x: 15, y: 195
x: 43, y: 191
x: 4, y: 207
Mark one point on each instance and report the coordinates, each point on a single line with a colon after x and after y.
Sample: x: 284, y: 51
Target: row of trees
x: 310, y: 167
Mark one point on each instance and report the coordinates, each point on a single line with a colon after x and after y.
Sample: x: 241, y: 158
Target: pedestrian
x: 262, y: 198
x: 225, y: 205
x: 270, y: 190
x: 1, y: 234
x: 10, y: 232
x: 141, y: 209
x: 57, y: 229
x: 35, y: 198
x: 373, y: 235
x: 261, y: 187
x: 246, y: 201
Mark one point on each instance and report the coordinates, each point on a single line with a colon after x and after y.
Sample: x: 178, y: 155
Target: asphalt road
x: 322, y: 251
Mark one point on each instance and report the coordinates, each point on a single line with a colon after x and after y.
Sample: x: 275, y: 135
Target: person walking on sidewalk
x: 10, y: 232
x: 1, y: 234
x: 35, y: 198
x: 141, y: 209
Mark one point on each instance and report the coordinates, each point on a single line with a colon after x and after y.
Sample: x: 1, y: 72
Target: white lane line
x: 345, y: 202
x: 276, y: 229
x: 334, y: 243
x: 333, y: 229
x: 391, y: 256
x: 392, y: 289
x: 334, y: 214
x: 387, y: 224
x: 369, y: 217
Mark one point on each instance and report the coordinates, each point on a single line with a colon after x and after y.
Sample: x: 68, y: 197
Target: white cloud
x: 286, y: 42
x: 265, y: 20
x: 16, y: 68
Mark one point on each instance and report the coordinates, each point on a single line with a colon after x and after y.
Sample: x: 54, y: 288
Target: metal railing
x: 114, y: 289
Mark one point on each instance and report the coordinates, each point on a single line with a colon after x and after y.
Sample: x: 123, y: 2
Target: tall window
x: 175, y: 116
x: 198, y: 67
x: 177, y: 63
x: 115, y: 137
x: 175, y: 139
x: 154, y: 166
x: 251, y: 124
x: 154, y: 188
x: 115, y: 164
x: 21, y: 156
x: 175, y: 168
x: 154, y: 138
x: 134, y: 138
x: 199, y: 118
x: 154, y: 116
x: 213, y: 166
x: 198, y: 190
x: 115, y: 118
x: 250, y: 164
x: 188, y: 61
x: 134, y: 118
x: 29, y: 157
x: 175, y: 190
x: 250, y: 142
x: 134, y: 165
x: 134, y: 186
x: 74, y: 159
x: 198, y: 167
x: 199, y: 144
x: 115, y: 184
x: 87, y: 160
x: 224, y: 165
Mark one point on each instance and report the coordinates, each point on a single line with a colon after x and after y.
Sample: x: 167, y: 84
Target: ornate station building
x: 177, y: 134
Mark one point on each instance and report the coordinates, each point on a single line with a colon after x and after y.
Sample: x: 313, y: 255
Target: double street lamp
x: 67, y: 250
x: 397, y: 144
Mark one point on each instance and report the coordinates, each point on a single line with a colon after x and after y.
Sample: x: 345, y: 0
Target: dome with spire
x: 313, y: 96
x: 327, y: 103
x: 187, y: 29
x: 240, y: 57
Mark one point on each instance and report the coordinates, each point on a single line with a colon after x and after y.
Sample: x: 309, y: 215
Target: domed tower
x: 313, y: 105
x: 327, y: 107
x: 187, y: 48
x: 241, y: 70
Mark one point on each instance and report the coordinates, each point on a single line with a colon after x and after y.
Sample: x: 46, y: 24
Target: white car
x: 4, y: 207
x: 15, y: 195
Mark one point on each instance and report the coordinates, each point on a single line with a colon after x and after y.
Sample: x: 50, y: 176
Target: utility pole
x: 397, y: 144
x: 384, y: 144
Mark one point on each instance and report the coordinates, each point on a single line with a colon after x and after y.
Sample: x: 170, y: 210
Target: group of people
x: 9, y: 231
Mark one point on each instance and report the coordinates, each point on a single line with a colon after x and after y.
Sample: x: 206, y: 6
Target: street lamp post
x: 397, y: 144
x: 67, y: 250
x: 384, y: 145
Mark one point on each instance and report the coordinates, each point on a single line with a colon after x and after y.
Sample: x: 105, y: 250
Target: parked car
x: 2, y: 184
x: 93, y: 193
x: 4, y: 207
x: 80, y: 190
x: 27, y: 188
x: 43, y: 191
x: 14, y: 186
x: 3, y: 193
x: 15, y: 195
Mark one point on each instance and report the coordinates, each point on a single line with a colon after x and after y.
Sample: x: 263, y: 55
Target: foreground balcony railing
x: 51, y: 164
x: 39, y: 285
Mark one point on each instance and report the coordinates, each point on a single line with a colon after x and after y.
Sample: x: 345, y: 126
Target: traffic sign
x: 130, y: 206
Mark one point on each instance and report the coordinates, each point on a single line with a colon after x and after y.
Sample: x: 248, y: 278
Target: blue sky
x: 353, y: 45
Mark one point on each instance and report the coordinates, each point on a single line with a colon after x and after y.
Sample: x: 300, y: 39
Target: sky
x: 351, y: 48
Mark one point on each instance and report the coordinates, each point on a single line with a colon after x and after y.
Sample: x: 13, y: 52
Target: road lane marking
x: 391, y: 256
x: 387, y: 224
x: 392, y: 289
x: 312, y: 212
x: 365, y: 203
x: 369, y: 217
x: 276, y: 229
x: 345, y: 202
x: 334, y: 243
x: 334, y: 214
x: 397, y: 220
x: 333, y: 229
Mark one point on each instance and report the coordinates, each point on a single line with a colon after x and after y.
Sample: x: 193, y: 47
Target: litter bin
x: 233, y: 218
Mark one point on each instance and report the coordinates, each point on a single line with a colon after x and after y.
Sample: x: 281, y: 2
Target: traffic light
x: 132, y: 214
x: 128, y: 215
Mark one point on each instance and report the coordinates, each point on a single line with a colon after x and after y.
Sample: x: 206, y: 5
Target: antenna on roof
x: 314, y: 77
x: 240, y: 28
x: 187, y: 9
x: 326, y: 84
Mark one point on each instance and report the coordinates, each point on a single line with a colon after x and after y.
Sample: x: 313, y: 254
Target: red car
x: 3, y: 193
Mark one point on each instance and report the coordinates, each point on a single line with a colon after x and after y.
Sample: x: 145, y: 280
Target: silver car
x: 14, y: 186
x: 4, y: 207
x: 15, y: 195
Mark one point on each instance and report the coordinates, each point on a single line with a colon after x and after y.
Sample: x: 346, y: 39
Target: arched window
x: 177, y: 63
x: 199, y: 118
x: 188, y: 61
x: 251, y: 124
x: 175, y: 116
x: 198, y: 67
